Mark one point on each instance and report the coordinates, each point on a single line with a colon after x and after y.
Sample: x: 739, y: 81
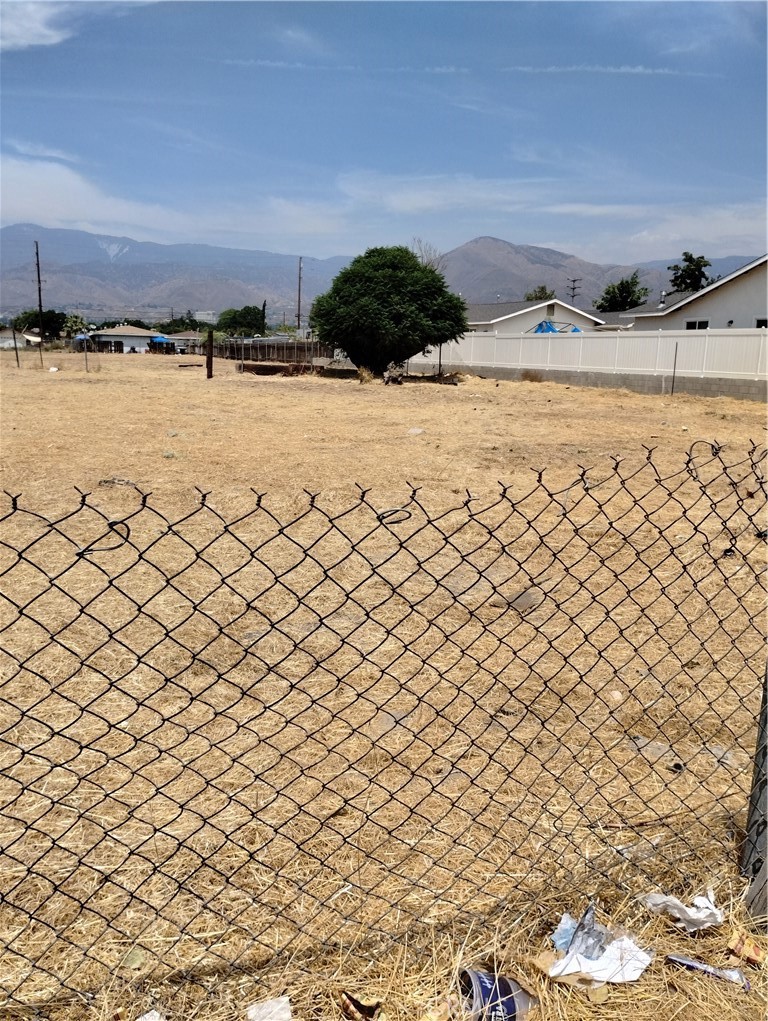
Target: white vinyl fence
x: 722, y: 354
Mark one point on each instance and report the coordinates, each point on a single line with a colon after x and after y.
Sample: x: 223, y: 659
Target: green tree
x: 387, y: 306
x: 108, y: 324
x: 690, y: 274
x: 75, y: 324
x: 540, y: 293
x: 625, y: 293
x: 53, y: 322
x: 249, y: 321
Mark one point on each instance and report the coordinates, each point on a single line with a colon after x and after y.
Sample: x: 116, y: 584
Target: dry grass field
x: 446, y: 727
x: 168, y: 428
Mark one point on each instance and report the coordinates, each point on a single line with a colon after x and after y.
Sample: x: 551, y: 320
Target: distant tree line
x: 248, y: 321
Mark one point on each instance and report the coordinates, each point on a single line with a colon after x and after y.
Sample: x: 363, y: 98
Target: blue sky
x: 619, y: 132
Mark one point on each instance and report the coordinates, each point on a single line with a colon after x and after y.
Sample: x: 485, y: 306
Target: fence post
x: 754, y: 858
x: 209, y: 356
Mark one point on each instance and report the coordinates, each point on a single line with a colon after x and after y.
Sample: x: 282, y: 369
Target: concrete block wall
x: 638, y: 382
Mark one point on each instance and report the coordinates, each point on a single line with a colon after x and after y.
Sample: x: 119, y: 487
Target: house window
x: 761, y: 324
x: 697, y: 324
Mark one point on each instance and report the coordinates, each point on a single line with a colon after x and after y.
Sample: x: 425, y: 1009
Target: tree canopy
x: 625, y: 293
x: 387, y: 306
x: 690, y: 274
x: 540, y: 293
x: 108, y: 324
x: 249, y: 321
x: 74, y: 324
x: 29, y: 321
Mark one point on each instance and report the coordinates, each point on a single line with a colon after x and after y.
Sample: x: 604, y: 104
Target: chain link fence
x: 229, y: 734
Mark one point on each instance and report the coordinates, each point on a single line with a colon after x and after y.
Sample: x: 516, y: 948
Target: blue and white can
x: 489, y: 997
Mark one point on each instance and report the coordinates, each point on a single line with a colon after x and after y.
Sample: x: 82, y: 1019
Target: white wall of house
x: 530, y: 318
x: 743, y: 300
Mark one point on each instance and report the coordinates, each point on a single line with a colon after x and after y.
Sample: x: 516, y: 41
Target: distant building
x: 525, y: 316
x: 736, y: 301
x: 125, y: 338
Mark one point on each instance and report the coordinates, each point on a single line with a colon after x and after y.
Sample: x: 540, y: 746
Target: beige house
x: 736, y: 301
x: 524, y: 316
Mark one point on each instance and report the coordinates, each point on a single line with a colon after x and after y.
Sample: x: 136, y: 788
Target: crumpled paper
x: 593, y: 955
x: 621, y: 961
x: 701, y: 915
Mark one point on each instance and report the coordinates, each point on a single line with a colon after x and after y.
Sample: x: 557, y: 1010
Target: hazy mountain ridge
x: 104, y: 272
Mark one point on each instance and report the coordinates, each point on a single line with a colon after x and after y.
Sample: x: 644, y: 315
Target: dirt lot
x: 167, y: 428
x: 242, y: 748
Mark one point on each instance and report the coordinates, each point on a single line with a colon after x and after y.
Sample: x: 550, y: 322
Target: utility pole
x: 573, y: 287
x: 39, y: 301
x: 298, y: 313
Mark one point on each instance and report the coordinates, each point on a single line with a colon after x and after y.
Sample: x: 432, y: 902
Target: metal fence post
x: 754, y: 858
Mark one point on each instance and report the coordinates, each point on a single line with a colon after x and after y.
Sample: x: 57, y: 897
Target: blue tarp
x: 547, y: 326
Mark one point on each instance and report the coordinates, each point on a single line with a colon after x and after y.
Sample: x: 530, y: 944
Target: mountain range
x: 104, y: 277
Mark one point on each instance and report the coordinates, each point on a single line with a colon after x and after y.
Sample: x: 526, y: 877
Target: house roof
x: 609, y: 318
x: 494, y: 312
x: 678, y: 299
x: 126, y: 331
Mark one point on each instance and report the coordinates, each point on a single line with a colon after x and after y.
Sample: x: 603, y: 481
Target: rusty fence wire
x: 227, y: 735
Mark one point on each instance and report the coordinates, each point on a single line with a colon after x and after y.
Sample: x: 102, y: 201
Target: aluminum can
x: 489, y: 997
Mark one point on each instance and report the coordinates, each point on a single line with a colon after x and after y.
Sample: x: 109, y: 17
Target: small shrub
x: 364, y: 375
x: 531, y: 376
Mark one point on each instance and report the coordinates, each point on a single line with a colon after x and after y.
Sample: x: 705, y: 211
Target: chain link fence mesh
x: 227, y: 736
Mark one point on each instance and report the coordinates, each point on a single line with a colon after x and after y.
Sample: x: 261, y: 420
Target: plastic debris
x: 278, y: 1009
x: 655, y: 751
x: 415, y: 431
x: 593, y: 954
x: 152, y: 1015
x: 581, y: 936
x: 746, y: 948
x: 729, y: 974
x: 701, y: 915
x: 53, y: 369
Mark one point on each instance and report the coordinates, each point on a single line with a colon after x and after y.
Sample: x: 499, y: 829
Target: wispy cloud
x: 175, y: 134
x: 301, y: 65
x: 295, y: 38
x: 55, y: 195
x: 26, y: 24
x: 367, y: 207
x: 416, y: 195
x: 289, y: 65
x: 612, y: 210
x: 38, y: 151
x: 622, y: 69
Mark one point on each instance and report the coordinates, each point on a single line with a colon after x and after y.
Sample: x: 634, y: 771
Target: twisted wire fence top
x: 224, y: 735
